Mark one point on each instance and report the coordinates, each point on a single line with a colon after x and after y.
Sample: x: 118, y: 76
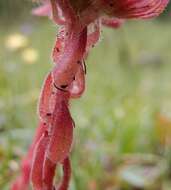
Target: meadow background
x: 123, y: 121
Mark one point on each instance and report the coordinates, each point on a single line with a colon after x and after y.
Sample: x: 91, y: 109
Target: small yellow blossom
x: 30, y: 55
x: 16, y: 41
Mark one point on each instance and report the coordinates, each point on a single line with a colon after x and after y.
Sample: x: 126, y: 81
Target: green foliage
x: 12, y: 10
x: 167, y: 13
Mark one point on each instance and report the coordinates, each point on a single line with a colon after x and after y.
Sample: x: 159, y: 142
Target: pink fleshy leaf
x: 61, y: 132
x: 38, y: 159
x: 66, y: 176
x: 68, y: 64
x: 48, y: 174
x: 43, y: 10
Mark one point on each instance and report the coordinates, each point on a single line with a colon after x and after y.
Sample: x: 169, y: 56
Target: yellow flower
x: 16, y: 41
x: 30, y: 55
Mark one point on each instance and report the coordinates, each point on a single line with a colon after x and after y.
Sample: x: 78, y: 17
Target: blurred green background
x: 123, y: 121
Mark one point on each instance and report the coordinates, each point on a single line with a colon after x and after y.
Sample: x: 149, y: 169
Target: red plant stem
x: 55, y: 14
x: 77, y: 87
x: 68, y: 64
x: 67, y: 10
x: 59, y: 45
x: 66, y: 176
x: 37, y: 165
x: 48, y: 174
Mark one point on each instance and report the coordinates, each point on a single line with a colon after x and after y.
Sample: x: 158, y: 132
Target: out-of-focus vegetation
x: 123, y: 121
x: 14, y: 10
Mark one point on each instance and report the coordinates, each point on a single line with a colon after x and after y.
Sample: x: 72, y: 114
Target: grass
x: 123, y: 121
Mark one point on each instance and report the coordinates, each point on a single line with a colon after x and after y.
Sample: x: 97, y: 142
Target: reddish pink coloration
x: 79, y: 32
x: 37, y: 165
x: 46, y: 97
x: 68, y: 63
x: 93, y: 36
x: 133, y: 8
x: 77, y: 87
x: 61, y: 131
x: 112, y: 22
x: 59, y: 46
x: 56, y: 17
x: 48, y: 174
x: 67, y: 175
x: 44, y: 10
